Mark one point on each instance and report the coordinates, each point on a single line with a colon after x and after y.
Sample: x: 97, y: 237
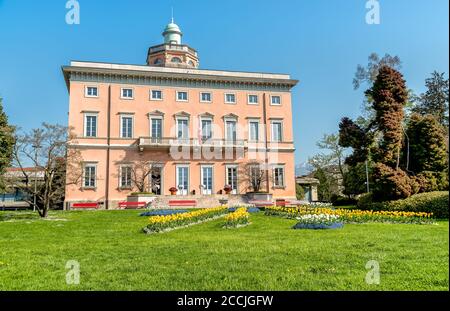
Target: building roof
x: 304, y: 180
x: 99, y: 68
x: 16, y: 172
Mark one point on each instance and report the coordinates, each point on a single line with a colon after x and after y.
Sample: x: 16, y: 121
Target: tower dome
x: 172, y: 33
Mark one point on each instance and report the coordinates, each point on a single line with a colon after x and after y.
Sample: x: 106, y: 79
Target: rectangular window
x: 278, y: 176
x: 91, y: 91
x: 206, y: 129
x: 125, y: 176
x: 127, y: 93
x: 182, y: 96
x: 230, y: 131
x: 253, y: 99
x: 156, y: 95
x: 205, y: 97
x: 275, y: 100
x: 254, y: 131
x: 231, y: 178
x: 156, y: 128
x: 89, y: 175
x: 276, y: 131
x: 90, y: 125
x: 182, y: 129
x: 126, y: 124
x: 230, y: 98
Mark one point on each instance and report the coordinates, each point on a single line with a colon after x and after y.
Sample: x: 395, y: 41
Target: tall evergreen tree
x: 436, y: 99
x: 6, y: 143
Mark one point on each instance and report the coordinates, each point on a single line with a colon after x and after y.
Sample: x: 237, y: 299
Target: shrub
x: 392, y: 184
x: 337, y: 200
x: 366, y: 203
x: 430, y: 202
x: 432, y: 181
x: 299, y: 192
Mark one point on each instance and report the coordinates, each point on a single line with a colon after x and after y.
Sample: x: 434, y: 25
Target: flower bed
x: 169, y: 222
x: 237, y: 218
x: 163, y: 212
x: 354, y: 216
x: 318, y: 221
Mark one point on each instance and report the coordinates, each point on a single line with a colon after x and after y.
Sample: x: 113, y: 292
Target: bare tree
x: 46, y: 148
x: 139, y: 173
x: 254, y: 175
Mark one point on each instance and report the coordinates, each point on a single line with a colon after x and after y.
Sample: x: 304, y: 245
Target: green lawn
x: 267, y: 255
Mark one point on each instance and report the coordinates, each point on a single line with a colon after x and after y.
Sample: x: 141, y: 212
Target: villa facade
x: 197, y: 128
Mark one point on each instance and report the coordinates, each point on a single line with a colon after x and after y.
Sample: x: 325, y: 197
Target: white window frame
x: 155, y: 90
x: 86, y: 93
x: 182, y: 100
x: 188, y: 127
x: 90, y: 114
x: 188, y: 179
x: 227, y: 182
x: 257, y: 99
x: 85, y: 165
x: 212, y: 178
x: 272, y: 132
x: 212, y: 125
x: 121, y: 169
x: 126, y: 88
x: 162, y: 125
x: 250, y: 132
x: 229, y: 102
x: 282, y: 167
x: 226, y: 131
x: 206, y: 101
x: 271, y: 100
x: 127, y: 115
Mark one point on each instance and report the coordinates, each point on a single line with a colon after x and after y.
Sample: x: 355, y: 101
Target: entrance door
x: 155, y: 179
x: 207, y: 179
x: 232, y: 178
x: 182, y: 180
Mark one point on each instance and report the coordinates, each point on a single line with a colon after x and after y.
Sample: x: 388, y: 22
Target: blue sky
x: 319, y: 42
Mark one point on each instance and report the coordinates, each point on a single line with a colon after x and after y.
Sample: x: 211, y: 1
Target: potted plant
x: 227, y: 189
x: 173, y: 190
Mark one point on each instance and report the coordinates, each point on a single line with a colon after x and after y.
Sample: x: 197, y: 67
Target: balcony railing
x: 172, y: 47
x: 191, y: 142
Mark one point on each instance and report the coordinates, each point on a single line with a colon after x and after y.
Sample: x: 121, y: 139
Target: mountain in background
x: 303, y: 169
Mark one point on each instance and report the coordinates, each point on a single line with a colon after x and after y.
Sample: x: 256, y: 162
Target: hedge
x: 429, y: 202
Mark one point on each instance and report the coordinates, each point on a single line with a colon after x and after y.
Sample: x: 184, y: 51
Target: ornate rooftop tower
x: 172, y: 53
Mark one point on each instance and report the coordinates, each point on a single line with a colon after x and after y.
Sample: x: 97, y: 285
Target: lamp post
x: 36, y: 148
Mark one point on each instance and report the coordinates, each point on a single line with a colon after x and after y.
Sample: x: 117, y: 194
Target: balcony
x: 167, y: 142
x: 172, y: 47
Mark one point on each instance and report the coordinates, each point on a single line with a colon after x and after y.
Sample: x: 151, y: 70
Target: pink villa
x: 197, y: 129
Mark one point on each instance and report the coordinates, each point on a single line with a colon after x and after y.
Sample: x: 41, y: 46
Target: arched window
x: 176, y: 60
x: 191, y: 63
x: 157, y: 61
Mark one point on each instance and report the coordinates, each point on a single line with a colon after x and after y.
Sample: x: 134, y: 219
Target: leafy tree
x: 392, y: 184
x: 369, y: 73
x: 299, y: 192
x: 352, y: 135
x: 427, y: 145
x: 436, y: 99
x: 6, y: 144
x: 355, y: 180
x: 324, y: 189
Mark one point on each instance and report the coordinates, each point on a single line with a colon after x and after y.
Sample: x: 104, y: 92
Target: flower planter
x: 141, y: 197
x: 259, y: 196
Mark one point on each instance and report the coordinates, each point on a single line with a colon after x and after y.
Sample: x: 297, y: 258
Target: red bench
x: 132, y: 205
x: 85, y: 205
x: 182, y: 202
x: 261, y: 203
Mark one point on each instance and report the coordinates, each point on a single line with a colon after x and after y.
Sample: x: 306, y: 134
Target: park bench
x: 85, y: 205
x: 192, y: 203
x: 132, y: 205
